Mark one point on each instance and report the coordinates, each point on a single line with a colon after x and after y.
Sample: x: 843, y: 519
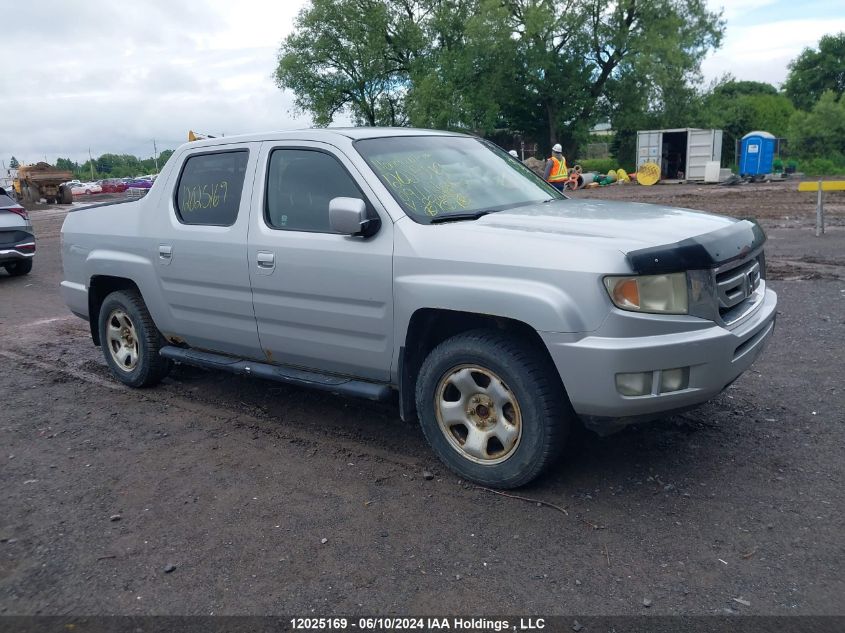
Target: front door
x: 322, y: 301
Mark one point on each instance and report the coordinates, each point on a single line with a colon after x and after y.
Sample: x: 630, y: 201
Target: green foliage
x: 13, y: 163
x: 728, y: 88
x: 536, y: 67
x: 657, y: 90
x: 740, y: 107
x: 814, y: 72
x: 115, y: 166
x: 67, y: 164
x: 823, y: 167
x: 600, y: 165
x: 820, y: 132
x: 350, y: 55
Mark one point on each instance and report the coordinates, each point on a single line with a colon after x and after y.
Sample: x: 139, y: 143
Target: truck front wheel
x: 492, y: 407
x: 131, y: 341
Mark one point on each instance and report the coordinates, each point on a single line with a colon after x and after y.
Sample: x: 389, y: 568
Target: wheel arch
x: 100, y: 287
x: 428, y: 327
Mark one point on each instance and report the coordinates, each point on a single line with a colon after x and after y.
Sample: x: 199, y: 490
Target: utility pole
x: 91, y: 161
x: 155, y: 154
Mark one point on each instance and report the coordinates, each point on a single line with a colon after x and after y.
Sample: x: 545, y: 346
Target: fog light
x: 636, y: 384
x: 674, y: 379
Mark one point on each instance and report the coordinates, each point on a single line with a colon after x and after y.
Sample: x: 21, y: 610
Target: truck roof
x: 323, y: 134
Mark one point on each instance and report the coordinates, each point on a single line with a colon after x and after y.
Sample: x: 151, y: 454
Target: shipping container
x: 681, y: 154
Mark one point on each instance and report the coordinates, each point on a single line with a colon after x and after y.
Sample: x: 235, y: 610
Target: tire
x: 66, y: 195
x: 19, y: 268
x: 130, y: 340
x: 521, y: 414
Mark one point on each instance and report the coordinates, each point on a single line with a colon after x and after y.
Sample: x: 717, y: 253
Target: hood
x: 654, y: 238
x: 632, y: 225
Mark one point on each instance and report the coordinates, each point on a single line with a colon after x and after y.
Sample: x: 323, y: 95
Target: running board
x: 315, y: 380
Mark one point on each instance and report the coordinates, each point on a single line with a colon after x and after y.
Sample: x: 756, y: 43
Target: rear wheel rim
x: 478, y: 414
x: 122, y: 340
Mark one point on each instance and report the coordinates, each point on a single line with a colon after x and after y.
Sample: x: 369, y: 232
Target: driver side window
x: 300, y: 185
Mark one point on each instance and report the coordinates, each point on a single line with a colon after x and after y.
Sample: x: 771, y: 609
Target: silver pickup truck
x: 426, y: 267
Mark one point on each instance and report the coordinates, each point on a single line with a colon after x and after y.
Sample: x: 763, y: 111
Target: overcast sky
x: 113, y: 77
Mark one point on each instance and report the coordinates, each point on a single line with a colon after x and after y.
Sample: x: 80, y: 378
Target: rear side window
x: 300, y: 185
x: 209, y: 190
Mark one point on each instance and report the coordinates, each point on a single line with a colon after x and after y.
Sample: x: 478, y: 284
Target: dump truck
x: 42, y: 180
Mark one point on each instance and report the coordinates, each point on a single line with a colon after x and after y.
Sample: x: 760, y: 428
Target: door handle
x: 266, y: 260
x: 165, y: 252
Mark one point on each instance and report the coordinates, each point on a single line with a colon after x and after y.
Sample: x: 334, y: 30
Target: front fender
x: 543, y: 306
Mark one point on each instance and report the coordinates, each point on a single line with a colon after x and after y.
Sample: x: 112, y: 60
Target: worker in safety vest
x: 556, y: 172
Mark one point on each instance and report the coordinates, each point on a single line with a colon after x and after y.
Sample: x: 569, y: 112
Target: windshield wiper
x: 455, y: 217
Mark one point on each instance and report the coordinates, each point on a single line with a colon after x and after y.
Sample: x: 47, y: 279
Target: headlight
x: 666, y: 294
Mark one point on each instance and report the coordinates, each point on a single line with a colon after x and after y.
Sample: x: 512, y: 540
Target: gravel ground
x: 214, y: 494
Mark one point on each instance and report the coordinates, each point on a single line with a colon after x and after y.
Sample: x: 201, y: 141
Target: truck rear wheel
x: 492, y: 408
x: 65, y: 195
x: 130, y: 340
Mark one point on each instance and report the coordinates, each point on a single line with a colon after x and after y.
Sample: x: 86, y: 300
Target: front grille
x: 735, y: 287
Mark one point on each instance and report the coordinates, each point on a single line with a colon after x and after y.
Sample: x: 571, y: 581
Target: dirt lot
x: 735, y: 507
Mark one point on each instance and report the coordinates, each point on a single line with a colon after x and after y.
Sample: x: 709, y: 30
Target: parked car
x: 17, y: 240
x: 113, y: 185
x: 424, y: 266
x: 86, y: 188
x: 139, y: 183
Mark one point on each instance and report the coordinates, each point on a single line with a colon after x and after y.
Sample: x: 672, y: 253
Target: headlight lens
x: 663, y: 294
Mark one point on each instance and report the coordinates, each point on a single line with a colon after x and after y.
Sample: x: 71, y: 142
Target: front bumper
x: 715, y: 356
x: 16, y: 246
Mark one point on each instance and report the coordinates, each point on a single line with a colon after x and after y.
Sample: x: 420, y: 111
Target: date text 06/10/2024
x: 473, y: 625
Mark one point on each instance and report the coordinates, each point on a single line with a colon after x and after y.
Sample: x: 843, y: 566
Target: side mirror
x: 348, y: 216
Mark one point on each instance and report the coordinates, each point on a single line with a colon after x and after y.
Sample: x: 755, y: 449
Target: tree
x: 66, y: 164
x: 538, y: 67
x: 545, y: 68
x: 740, y: 107
x: 815, y: 71
x: 820, y: 132
x: 350, y: 55
x: 728, y: 88
x: 14, y: 164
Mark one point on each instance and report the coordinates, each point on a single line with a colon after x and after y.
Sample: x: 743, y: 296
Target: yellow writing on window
x: 422, y: 184
x: 208, y: 196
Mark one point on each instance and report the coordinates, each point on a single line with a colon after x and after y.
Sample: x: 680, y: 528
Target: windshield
x: 438, y: 176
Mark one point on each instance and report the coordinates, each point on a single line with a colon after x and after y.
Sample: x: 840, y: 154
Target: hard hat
x: 557, y: 148
x: 513, y: 153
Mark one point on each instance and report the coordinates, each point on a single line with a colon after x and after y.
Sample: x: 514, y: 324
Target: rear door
x: 201, y: 254
x: 322, y: 301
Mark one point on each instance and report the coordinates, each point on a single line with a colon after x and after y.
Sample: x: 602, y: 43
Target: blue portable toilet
x: 756, y: 154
